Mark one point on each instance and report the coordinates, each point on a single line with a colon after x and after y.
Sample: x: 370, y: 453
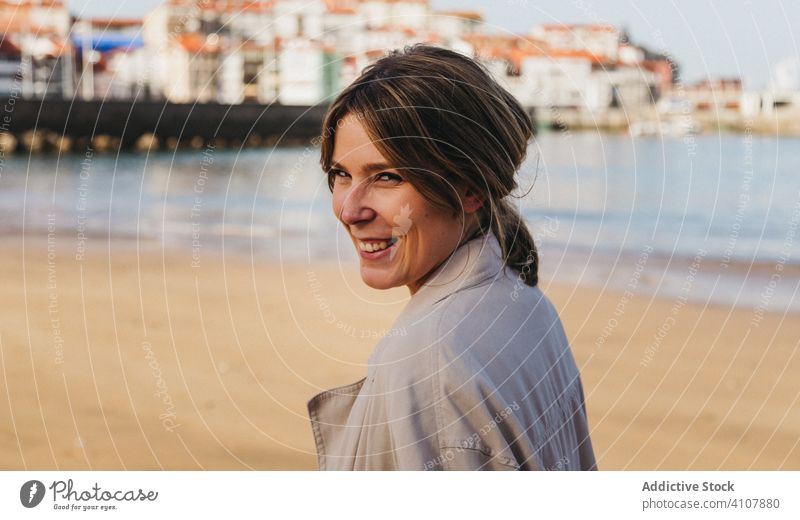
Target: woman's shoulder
x: 422, y: 350
x: 505, y: 289
x: 469, y: 329
x: 501, y: 310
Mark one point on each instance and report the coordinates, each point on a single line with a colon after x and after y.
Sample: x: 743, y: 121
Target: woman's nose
x: 356, y: 208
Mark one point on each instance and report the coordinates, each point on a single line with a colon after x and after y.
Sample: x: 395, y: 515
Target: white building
x: 398, y: 14
x: 298, y: 18
x: 584, y: 67
x: 300, y: 72
x: 212, y: 52
x: 626, y: 86
x: 630, y: 54
x: 552, y: 81
x: 782, y: 94
x: 450, y: 25
x: 577, y: 80
x: 599, y: 39
x: 37, y: 58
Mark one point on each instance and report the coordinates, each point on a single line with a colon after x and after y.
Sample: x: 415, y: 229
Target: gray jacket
x: 476, y: 373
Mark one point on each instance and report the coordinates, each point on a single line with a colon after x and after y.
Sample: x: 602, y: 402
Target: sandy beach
x: 142, y: 360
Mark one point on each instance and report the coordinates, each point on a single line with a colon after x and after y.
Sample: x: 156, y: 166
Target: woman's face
x: 400, y: 237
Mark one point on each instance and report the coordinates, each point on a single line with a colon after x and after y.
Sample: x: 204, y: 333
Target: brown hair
x: 430, y: 109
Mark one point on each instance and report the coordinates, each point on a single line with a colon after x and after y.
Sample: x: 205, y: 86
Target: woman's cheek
x: 402, y: 220
x: 336, y: 203
x: 406, y: 211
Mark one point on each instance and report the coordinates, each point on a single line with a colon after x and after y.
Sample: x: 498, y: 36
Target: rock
x: 102, y: 143
x: 253, y: 141
x: 8, y: 143
x: 59, y: 142
x: 197, y: 143
x: 146, y: 142
x: 32, y: 141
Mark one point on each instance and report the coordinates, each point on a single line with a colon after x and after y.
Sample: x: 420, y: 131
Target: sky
x: 740, y: 38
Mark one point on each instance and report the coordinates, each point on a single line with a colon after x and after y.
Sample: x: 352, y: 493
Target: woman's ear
x: 472, y: 201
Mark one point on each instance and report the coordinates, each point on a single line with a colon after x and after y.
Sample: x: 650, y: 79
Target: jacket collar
x: 472, y: 263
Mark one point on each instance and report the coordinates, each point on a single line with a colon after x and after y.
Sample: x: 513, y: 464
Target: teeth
x: 371, y: 247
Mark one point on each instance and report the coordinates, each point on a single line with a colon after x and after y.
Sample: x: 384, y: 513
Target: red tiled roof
x: 115, y: 22
x: 572, y: 27
x: 9, y: 49
x: 18, y: 25
x: 195, y: 43
x: 469, y: 15
x: 585, y: 55
x: 341, y: 6
x: 26, y: 4
x: 235, y: 6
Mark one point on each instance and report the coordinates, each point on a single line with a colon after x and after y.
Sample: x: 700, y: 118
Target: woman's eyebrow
x: 367, y: 168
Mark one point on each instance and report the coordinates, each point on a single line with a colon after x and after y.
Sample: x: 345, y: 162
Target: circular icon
x: 31, y: 493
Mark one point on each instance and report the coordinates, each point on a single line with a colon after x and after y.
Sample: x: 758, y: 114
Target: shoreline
x: 108, y: 146
x: 611, y: 274
x: 45, y: 142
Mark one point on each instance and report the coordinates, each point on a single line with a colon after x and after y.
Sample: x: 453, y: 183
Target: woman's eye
x: 338, y: 173
x: 392, y: 177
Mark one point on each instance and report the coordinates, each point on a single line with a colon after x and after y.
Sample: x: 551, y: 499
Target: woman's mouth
x: 372, y: 249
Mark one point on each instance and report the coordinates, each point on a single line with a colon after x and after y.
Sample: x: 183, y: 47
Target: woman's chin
x: 376, y: 279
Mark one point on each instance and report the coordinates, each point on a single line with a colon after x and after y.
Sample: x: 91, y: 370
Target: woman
x: 421, y: 152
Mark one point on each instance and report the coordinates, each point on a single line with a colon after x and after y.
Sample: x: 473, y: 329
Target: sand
x: 140, y: 360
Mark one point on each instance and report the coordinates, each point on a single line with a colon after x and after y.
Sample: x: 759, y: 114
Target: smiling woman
x: 378, y: 204
x: 421, y: 153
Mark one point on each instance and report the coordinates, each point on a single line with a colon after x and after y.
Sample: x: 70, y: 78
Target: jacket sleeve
x: 419, y: 444
x: 439, y: 416
x: 478, y: 427
x: 423, y: 435
x: 473, y: 459
x: 433, y: 427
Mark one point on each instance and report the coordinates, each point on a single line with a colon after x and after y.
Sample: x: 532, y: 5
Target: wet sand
x: 126, y: 360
